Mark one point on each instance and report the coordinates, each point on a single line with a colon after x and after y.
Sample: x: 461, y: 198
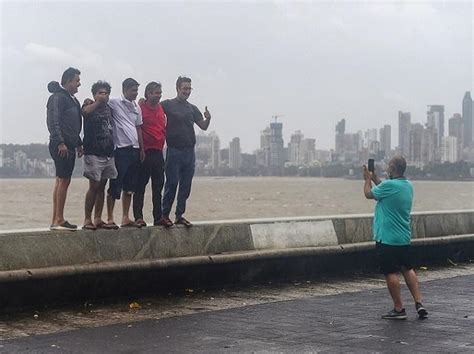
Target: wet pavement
x: 334, y: 315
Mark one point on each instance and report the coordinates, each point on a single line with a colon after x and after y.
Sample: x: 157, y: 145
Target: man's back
x: 392, y: 221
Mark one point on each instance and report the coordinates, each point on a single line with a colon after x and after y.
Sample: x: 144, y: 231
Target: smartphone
x: 370, y: 165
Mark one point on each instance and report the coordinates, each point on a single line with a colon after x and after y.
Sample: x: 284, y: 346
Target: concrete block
x: 293, y: 234
x: 417, y: 227
x: 358, y: 229
x: 448, y: 224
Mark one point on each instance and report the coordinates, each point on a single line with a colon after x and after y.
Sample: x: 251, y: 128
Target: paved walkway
x: 348, y: 322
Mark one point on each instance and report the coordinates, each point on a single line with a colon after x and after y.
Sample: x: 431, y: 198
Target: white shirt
x: 126, y: 117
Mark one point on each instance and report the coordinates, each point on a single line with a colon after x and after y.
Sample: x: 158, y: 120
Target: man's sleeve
x: 52, y: 119
x: 383, y: 190
x: 139, y: 116
x: 197, y: 115
x: 164, y: 105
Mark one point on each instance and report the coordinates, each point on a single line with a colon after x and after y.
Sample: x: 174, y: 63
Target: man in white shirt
x: 128, y: 141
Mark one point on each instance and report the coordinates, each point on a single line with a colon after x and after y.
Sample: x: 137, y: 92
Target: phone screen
x: 371, y: 166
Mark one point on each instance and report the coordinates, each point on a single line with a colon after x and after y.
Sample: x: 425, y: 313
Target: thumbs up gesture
x: 207, y: 114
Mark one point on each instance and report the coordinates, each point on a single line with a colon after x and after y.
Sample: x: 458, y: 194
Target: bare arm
x: 376, y: 179
x: 368, y: 183
x: 204, y: 123
x: 90, y: 106
x: 140, y: 143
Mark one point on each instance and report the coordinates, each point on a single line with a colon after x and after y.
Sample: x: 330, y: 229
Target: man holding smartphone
x: 392, y: 233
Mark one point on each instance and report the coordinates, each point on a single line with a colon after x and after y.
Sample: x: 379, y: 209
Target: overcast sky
x: 313, y: 62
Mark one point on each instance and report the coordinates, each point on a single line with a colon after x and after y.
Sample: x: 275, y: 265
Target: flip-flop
x: 100, y: 225
x: 131, y: 224
x: 140, y: 222
x: 110, y: 226
x: 89, y: 227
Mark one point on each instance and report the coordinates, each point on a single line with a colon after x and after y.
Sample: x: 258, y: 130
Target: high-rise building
x: 272, y: 152
x: 294, y: 148
x: 404, y: 125
x: 449, y: 149
x: 340, y: 130
x: 430, y: 148
x: 307, y: 151
x: 467, y: 120
x: 370, y: 137
x: 235, y: 159
x: 215, y: 152
x: 386, y: 139
x: 263, y: 155
x: 456, y: 130
x: 416, y: 134
x: 435, y: 115
x: 277, y: 153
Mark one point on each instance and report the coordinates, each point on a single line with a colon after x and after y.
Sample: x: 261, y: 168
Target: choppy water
x: 26, y: 203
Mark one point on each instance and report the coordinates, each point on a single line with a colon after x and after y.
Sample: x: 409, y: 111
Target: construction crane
x: 276, y: 116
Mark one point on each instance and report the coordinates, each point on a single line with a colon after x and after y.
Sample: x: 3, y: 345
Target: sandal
x: 110, y: 226
x: 89, y: 227
x: 100, y: 225
x: 140, y: 222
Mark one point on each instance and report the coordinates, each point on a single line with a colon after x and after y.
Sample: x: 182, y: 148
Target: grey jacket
x: 63, y: 117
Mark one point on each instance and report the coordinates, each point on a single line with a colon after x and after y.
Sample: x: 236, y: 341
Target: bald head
x: 397, y: 166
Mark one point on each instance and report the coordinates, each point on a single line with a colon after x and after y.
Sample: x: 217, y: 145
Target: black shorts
x: 64, y: 165
x: 393, y: 258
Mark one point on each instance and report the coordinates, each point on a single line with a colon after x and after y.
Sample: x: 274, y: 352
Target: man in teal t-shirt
x: 392, y: 232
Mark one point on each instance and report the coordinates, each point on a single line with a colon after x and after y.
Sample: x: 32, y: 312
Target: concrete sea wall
x: 42, y: 267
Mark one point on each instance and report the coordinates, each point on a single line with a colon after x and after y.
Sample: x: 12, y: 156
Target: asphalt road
x: 344, y: 322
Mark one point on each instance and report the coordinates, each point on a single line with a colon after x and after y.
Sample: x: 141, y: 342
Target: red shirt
x: 154, y: 126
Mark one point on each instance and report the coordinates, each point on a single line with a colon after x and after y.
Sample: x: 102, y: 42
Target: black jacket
x: 63, y: 117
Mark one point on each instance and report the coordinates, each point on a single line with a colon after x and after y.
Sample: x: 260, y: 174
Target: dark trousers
x: 179, y: 170
x: 152, y: 166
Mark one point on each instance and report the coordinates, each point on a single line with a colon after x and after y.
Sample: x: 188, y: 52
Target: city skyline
x: 314, y: 63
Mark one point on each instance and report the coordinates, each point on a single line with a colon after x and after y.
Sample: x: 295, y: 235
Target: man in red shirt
x: 153, y: 130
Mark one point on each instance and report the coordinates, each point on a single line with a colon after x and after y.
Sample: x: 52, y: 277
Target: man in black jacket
x: 64, y: 124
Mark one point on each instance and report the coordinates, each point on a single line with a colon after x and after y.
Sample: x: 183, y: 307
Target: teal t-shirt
x: 392, y: 221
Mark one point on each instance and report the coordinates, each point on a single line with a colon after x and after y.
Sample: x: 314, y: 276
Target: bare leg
x: 393, y: 285
x: 91, y: 196
x: 61, y: 193
x: 55, y: 197
x: 99, y: 203
x: 412, y: 283
x: 126, y: 201
x: 110, y: 209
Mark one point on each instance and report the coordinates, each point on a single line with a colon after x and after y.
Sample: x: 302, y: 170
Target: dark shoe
x: 183, y: 221
x: 395, y: 315
x: 422, y: 313
x: 140, y: 222
x: 64, y: 226
x: 165, y: 221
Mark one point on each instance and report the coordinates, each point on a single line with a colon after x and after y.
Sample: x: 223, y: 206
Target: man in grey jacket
x: 64, y: 124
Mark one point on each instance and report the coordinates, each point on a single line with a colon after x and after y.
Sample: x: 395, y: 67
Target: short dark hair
x: 151, y: 86
x: 399, y: 164
x: 101, y: 85
x: 129, y: 83
x: 182, y: 79
x: 69, y: 74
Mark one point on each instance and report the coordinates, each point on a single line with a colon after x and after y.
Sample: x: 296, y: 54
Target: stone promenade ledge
x: 41, y: 266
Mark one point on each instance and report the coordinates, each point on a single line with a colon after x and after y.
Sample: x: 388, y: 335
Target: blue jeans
x: 179, y: 170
